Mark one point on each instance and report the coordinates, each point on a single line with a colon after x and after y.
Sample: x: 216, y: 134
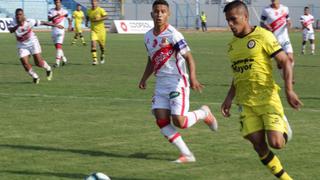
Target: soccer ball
x: 97, y: 176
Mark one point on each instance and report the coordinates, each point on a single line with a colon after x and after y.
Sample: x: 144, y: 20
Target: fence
x: 183, y: 15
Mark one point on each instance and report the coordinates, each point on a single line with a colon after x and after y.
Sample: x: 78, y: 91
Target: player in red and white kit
x: 168, y: 58
x: 307, y: 21
x: 275, y: 18
x: 28, y: 43
x: 58, y: 15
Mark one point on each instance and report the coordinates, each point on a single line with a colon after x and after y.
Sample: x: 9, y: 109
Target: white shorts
x: 58, y: 36
x: 307, y: 35
x: 286, y: 46
x: 169, y: 95
x: 34, y: 48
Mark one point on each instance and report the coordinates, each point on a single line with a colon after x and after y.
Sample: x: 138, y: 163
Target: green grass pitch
x: 94, y: 118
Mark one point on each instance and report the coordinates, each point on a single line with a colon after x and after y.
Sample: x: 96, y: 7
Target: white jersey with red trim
x: 307, y: 20
x: 277, y: 19
x: 165, y: 51
x: 59, y: 20
x: 24, y: 34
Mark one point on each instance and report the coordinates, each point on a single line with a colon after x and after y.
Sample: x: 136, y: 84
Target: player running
x: 78, y: 17
x: 261, y: 113
x: 275, y: 18
x: 96, y: 15
x: 58, y: 15
x: 168, y: 58
x: 28, y: 43
x: 307, y: 30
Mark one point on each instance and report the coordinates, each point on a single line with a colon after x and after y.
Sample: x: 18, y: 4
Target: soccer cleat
x: 49, y: 75
x: 185, y: 159
x: 36, y: 80
x: 94, y: 63
x: 56, y: 65
x: 289, y: 134
x: 84, y: 43
x: 210, y: 120
x: 102, y: 59
x: 64, y: 60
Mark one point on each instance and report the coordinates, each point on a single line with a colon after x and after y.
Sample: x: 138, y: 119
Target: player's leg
x: 75, y: 38
x: 173, y: 136
x: 304, y: 41
x: 102, y: 44
x: 182, y: 118
x: 94, y: 39
x: 24, y: 59
x: 312, y: 45
x: 58, y: 38
x: 40, y: 62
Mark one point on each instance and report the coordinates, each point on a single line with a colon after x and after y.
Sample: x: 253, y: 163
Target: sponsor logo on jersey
x: 251, y: 44
x: 174, y: 94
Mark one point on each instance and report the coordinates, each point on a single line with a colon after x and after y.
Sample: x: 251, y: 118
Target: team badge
x: 155, y: 43
x: 251, y: 44
x: 164, y: 42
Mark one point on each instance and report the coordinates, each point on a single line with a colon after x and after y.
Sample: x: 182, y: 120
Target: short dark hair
x: 306, y: 7
x: 235, y: 4
x: 160, y: 2
x: 19, y: 10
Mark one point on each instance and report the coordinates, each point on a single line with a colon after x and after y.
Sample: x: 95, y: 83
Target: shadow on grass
x: 138, y: 155
x: 59, y: 175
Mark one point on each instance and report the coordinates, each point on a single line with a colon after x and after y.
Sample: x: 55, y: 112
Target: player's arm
x: 263, y: 20
x: 227, y: 103
x: 292, y: 98
x: 87, y: 21
x: 102, y: 18
x: 51, y: 24
x: 289, y: 23
x: 51, y: 18
x: 13, y: 29
x: 195, y: 84
x: 147, y: 73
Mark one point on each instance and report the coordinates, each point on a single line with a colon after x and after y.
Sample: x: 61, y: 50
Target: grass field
x: 94, y: 118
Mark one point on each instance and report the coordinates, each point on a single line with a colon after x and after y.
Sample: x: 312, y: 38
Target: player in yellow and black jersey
x: 262, y: 118
x: 78, y: 17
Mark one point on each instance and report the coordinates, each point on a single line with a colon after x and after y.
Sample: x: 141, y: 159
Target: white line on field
x: 116, y: 99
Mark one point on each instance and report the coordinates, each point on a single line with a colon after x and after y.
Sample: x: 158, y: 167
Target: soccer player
x: 203, y: 18
x: 168, y: 58
x: 275, y: 18
x: 261, y: 113
x: 307, y: 30
x: 28, y: 43
x: 96, y: 15
x: 58, y: 15
x: 78, y: 17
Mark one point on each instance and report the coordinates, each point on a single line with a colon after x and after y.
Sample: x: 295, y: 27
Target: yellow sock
x: 274, y: 164
x: 94, y: 55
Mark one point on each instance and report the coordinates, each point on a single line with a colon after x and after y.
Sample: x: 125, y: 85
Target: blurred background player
x: 96, y: 15
x: 307, y: 21
x: 257, y: 95
x: 203, y: 18
x: 58, y: 15
x: 28, y: 43
x: 275, y: 18
x: 78, y: 17
x: 168, y: 58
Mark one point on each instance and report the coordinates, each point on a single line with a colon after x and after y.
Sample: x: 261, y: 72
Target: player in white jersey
x: 28, y: 43
x: 307, y: 21
x: 58, y: 15
x: 168, y: 58
x: 275, y: 18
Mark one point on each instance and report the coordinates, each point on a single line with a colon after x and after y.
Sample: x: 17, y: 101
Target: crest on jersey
x: 251, y: 44
x: 164, y: 42
x: 155, y: 43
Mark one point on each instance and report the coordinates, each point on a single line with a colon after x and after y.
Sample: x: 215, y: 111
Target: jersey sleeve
x: 264, y: 15
x: 301, y: 19
x: 179, y: 43
x: 103, y: 12
x: 34, y: 22
x: 50, y: 14
x: 288, y: 17
x: 270, y: 44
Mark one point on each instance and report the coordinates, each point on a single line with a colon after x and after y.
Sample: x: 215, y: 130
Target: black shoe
x: 49, y: 75
x: 36, y: 80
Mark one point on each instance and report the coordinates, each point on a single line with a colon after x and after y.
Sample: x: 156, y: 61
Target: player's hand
x: 293, y: 100
x: 226, y: 106
x: 143, y: 85
x: 196, y: 85
x: 59, y: 26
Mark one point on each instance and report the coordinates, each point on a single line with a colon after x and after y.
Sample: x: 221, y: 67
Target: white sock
x: 46, y: 66
x: 303, y: 48
x: 175, y: 138
x: 33, y: 74
x: 312, y: 47
x: 193, y: 117
x: 59, y: 55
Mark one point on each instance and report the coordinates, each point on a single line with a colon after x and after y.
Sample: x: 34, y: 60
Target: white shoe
x: 94, y: 62
x: 289, y: 134
x: 185, y: 159
x: 210, y: 120
x: 64, y: 60
x: 102, y: 61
